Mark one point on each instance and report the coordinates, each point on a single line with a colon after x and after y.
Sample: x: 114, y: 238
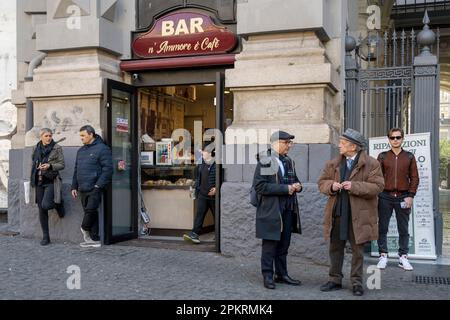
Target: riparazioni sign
x: 184, y: 34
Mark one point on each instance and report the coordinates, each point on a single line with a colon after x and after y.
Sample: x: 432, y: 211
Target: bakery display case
x: 168, y: 192
x: 167, y: 177
x: 167, y: 155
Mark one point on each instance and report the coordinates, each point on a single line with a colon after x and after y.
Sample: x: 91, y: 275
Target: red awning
x: 176, y: 63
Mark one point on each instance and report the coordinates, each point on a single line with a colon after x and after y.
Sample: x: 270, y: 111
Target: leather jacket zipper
x: 396, y: 159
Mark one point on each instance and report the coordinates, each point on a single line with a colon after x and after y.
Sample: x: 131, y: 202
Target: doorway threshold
x: 161, y: 238
x: 6, y: 231
x: 170, y: 243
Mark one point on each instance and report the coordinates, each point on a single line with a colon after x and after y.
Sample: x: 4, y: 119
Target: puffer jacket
x: 211, y: 177
x: 93, y: 166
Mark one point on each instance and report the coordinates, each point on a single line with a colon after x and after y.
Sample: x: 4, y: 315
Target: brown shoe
x: 330, y: 286
x: 358, y: 291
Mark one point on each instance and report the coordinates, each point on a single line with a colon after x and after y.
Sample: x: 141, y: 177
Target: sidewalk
x: 29, y: 271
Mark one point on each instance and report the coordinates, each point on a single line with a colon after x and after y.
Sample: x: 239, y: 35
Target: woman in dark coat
x: 48, y: 160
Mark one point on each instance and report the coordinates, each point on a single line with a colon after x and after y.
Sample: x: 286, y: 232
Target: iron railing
x: 413, y: 6
x: 389, y: 49
x: 379, y: 83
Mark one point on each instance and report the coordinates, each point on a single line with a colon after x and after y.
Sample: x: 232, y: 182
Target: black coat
x: 211, y: 177
x: 267, y: 184
x: 93, y: 166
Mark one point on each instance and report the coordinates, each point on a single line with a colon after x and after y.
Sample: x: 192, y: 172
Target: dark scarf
x: 288, y: 202
x: 289, y: 173
x: 343, y: 208
x: 40, y: 156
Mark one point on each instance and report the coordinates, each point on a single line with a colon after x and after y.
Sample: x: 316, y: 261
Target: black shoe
x: 45, y: 242
x: 330, y: 286
x: 61, y: 210
x: 268, y: 283
x: 287, y: 280
x: 358, y: 291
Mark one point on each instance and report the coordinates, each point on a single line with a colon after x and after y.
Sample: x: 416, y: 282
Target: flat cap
x: 354, y: 137
x: 281, y: 135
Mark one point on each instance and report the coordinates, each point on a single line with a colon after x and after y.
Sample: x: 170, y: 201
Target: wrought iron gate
x: 393, y: 81
x: 379, y: 80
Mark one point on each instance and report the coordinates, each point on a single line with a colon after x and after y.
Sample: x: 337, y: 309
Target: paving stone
x: 29, y: 271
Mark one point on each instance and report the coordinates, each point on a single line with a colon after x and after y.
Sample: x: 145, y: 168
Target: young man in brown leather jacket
x: 401, y: 181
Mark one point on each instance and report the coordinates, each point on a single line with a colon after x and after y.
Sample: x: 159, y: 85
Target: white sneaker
x: 91, y: 244
x: 86, y: 235
x: 382, y: 261
x: 404, y: 263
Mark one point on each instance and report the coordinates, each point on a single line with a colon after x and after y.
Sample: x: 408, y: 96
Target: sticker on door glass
x: 122, y: 125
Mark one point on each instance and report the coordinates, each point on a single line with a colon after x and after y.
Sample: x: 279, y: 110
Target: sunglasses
x: 396, y: 138
x: 287, y: 142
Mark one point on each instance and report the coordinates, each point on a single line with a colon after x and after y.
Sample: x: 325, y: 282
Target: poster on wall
x: 122, y: 125
x: 164, y: 152
x: 421, y: 224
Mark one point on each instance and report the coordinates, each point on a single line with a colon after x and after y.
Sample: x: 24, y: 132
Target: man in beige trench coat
x: 352, y: 181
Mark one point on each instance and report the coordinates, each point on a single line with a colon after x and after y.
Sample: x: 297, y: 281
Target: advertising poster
x: 122, y: 125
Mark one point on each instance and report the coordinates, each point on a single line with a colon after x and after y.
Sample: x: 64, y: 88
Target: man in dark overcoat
x: 277, y: 215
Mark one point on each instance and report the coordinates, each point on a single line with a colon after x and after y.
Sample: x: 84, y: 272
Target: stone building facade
x: 7, y: 84
x: 287, y: 74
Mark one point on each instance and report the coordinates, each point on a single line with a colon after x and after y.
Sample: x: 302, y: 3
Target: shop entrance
x: 166, y: 150
x: 120, y: 222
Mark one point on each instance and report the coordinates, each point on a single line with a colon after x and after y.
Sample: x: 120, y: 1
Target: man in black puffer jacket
x: 205, y: 191
x: 92, y: 175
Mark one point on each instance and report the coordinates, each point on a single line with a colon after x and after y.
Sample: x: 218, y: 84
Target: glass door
x: 220, y: 125
x: 122, y: 198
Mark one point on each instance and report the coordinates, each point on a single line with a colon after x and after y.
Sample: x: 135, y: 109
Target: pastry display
x: 183, y: 182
